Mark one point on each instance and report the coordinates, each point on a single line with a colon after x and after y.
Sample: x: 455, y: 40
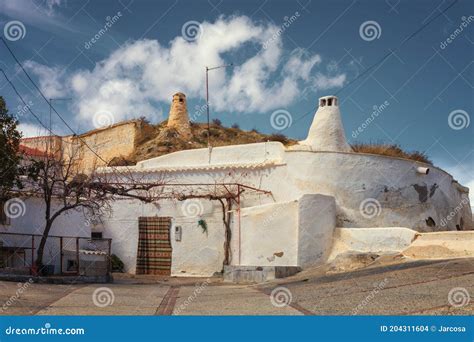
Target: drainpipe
x: 423, y: 170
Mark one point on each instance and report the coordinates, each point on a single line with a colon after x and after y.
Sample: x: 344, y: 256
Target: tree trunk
x: 228, y: 232
x: 42, y: 244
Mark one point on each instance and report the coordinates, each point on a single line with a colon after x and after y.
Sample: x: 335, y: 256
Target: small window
x: 181, y: 99
x: 96, y: 235
x: 323, y: 102
x: 4, y: 219
x: 430, y: 222
x: 335, y: 102
x: 329, y: 102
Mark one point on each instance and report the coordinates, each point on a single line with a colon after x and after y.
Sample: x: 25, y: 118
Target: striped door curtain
x: 154, y: 246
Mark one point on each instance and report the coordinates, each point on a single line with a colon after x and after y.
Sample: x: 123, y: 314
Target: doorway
x: 154, y: 246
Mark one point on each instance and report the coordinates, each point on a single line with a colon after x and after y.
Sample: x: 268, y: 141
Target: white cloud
x: 31, y: 130
x: 50, y: 79
x: 34, y: 12
x: 324, y: 82
x: 140, y: 74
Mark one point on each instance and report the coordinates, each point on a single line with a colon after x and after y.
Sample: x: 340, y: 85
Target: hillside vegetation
x: 391, y: 150
x: 157, y: 140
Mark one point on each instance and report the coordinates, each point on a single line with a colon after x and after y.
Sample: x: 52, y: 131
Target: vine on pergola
x: 225, y: 192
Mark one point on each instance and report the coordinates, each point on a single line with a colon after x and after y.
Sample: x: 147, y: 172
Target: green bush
x: 117, y: 264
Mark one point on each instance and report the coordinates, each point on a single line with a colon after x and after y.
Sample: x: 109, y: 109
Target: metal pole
x: 207, y: 100
x: 240, y: 233
x: 207, y: 108
x: 109, y: 264
x: 50, y: 116
x: 61, y: 255
x: 32, y: 254
x: 77, y: 255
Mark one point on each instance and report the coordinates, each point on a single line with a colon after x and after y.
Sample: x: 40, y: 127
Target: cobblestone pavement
x: 413, y: 288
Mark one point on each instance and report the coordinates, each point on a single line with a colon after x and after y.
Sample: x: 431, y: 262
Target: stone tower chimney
x: 326, y: 132
x: 178, y: 117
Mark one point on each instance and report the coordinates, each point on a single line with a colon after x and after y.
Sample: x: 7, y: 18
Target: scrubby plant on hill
x: 391, y: 150
x: 162, y: 140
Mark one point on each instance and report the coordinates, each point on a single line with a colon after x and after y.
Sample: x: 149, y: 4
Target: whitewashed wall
x: 269, y: 235
x: 31, y: 221
x: 350, y: 178
x: 198, y: 252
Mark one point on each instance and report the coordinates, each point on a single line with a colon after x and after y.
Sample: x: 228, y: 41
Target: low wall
x: 269, y: 235
x: 371, y: 240
x: 316, y: 223
x: 295, y: 233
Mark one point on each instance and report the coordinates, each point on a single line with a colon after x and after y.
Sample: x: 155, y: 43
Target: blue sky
x: 118, y: 60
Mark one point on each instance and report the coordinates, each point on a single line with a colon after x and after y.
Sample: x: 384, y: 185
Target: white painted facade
x: 315, y: 186
x: 29, y: 219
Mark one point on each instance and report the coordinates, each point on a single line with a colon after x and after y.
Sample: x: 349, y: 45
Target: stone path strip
x: 169, y: 301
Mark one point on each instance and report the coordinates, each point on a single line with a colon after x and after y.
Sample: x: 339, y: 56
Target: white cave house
x: 289, y: 202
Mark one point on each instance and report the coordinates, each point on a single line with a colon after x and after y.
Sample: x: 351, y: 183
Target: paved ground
x: 420, y: 287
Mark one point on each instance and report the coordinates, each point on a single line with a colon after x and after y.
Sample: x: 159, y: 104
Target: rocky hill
x: 159, y: 139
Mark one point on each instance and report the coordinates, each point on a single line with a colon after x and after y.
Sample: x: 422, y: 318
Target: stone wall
x: 111, y: 142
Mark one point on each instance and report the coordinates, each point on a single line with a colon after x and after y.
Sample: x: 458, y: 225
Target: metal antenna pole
x: 207, y: 109
x: 207, y: 100
x: 51, y: 118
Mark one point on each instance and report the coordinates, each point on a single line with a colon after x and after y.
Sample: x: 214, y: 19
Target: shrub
x: 278, y: 137
x: 235, y: 125
x: 391, y: 150
x: 217, y: 122
x: 117, y: 264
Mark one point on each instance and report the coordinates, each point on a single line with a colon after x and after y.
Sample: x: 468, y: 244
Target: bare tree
x: 58, y: 177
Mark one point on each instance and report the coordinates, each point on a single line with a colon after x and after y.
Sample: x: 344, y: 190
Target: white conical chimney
x: 326, y: 132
